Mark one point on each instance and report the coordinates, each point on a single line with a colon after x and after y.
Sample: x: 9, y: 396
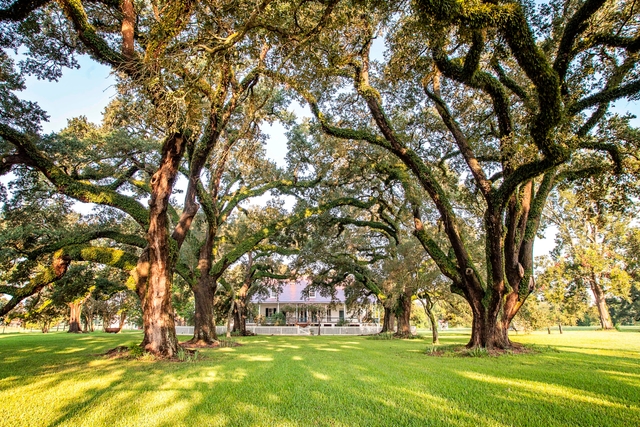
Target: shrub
x: 181, y: 355
x: 279, y: 319
x: 226, y: 342
x: 136, y: 351
x: 477, y: 352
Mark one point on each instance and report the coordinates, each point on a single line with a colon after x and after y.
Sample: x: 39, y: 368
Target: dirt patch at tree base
x: 117, y: 352
x: 202, y: 344
x: 462, y: 351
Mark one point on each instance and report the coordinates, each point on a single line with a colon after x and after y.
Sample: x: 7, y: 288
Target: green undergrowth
x: 579, y: 378
x: 382, y: 336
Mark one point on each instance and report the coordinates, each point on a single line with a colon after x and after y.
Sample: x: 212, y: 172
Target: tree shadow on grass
x: 281, y: 381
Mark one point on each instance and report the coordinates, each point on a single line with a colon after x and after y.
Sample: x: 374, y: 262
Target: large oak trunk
x: 157, y: 312
x: 156, y: 265
x: 487, y: 330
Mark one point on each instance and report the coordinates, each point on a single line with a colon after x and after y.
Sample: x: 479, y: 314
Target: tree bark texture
x: 601, y: 304
x: 403, y: 314
x: 243, y: 297
x: 241, y: 312
x: 388, y: 325
x: 156, y: 265
x: 428, y: 309
x: 123, y: 317
x: 203, y: 293
x: 75, y: 308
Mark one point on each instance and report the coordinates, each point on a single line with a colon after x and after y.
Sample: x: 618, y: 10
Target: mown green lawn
x: 585, y: 378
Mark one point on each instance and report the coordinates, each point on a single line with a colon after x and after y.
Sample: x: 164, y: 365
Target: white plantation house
x: 301, y: 313
x: 289, y: 299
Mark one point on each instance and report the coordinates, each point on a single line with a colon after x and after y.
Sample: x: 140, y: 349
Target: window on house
x: 312, y: 294
x: 272, y: 293
x: 329, y: 314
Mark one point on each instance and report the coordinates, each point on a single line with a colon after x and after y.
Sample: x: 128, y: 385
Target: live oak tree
x: 507, y: 97
x: 194, y: 77
x: 73, y: 290
x: 140, y: 42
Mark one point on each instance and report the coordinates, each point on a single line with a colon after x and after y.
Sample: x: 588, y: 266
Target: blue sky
x: 84, y: 91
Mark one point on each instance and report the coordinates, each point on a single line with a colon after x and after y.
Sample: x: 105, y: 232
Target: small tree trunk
x: 240, y: 323
x: 389, y: 320
x: 560, y: 327
x: 236, y: 319
x: 123, y: 317
x: 548, y: 330
x: 601, y: 304
x: 106, y: 320
x: 242, y: 315
x: 203, y: 293
x: 75, y: 308
x: 205, y: 327
x: 434, y: 327
x: 230, y: 316
x: 404, y: 314
x: 427, y: 304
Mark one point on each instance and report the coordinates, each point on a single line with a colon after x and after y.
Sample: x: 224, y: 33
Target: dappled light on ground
x: 580, y: 378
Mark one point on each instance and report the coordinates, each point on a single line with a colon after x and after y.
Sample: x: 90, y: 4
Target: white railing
x: 294, y: 330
